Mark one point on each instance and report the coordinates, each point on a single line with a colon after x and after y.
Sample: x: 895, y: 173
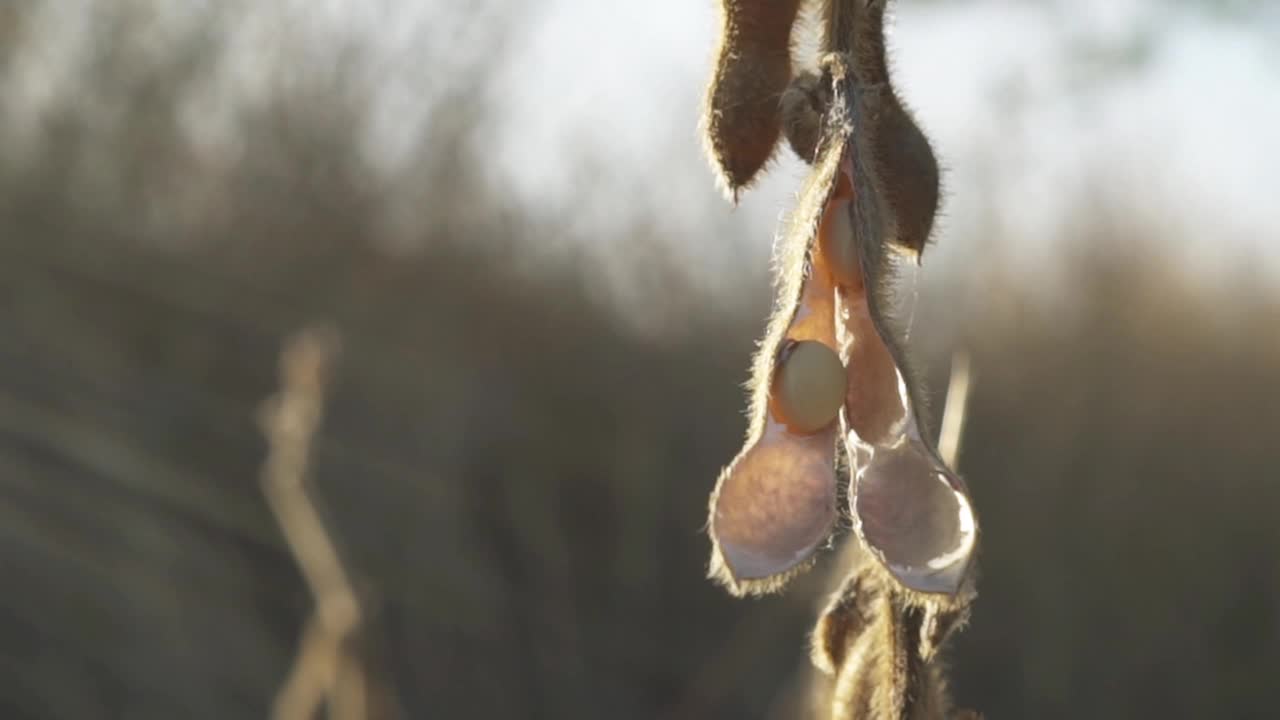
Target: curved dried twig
x: 325, y: 669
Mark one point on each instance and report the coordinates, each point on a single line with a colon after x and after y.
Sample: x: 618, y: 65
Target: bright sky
x: 1188, y: 137
x: 1010, y: 93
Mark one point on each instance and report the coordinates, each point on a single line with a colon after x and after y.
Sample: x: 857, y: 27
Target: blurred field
x: 517, y: 470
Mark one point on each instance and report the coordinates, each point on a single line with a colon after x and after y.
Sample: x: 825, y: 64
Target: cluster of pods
x: 831, y: 379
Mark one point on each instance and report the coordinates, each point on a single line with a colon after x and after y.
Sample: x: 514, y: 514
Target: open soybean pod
x: 910, y: 509
x: 775, y: 504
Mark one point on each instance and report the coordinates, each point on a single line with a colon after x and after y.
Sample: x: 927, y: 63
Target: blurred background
x: 546, y: 313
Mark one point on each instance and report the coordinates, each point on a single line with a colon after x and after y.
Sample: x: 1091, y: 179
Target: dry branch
x: 325, y: 670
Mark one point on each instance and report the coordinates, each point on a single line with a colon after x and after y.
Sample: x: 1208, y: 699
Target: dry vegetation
x: 518, y: 480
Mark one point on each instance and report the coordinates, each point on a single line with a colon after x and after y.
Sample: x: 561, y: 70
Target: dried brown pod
x: 848, y: 614
x: 741, y: 119
x: 878, y: 645
x: 909, y: 175
x: 904, y: 159
x: 775, y: 504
